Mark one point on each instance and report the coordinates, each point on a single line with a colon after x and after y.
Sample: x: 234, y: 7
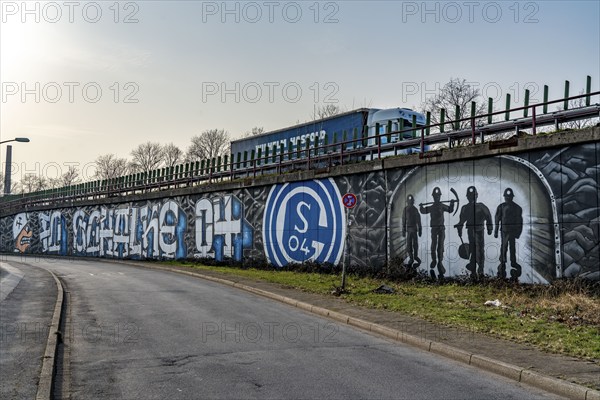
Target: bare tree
x: 32, y: 183
x: 457, y: 92
x: 15, y: 187
x: 53, y: 183
x: 257, y: 130
x: 326, y: 110
x: 172, y: 155
x: 146, y: 157
x: 209, y: 144
x: 110, y: 166
x: 70, y: 177
x: 581, y: 123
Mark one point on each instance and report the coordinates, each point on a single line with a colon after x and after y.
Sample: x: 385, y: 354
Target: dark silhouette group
x: 477, y: 219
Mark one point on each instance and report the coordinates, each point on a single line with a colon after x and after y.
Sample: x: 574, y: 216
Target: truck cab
x: 399, y: 119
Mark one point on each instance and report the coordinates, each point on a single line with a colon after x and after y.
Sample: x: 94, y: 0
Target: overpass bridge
x: 286, y: 208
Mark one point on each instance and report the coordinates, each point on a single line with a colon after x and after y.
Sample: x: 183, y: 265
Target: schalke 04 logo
x: 304, y: 221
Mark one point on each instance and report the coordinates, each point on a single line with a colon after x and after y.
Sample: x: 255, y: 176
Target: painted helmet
x: 436, y: 191
x: 410, y: 199
x: 508, y: 192
x: 20, y: 222
x: 471, y: 193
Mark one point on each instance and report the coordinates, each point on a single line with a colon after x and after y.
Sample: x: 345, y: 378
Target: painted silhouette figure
x: 509, y: 220
x: 476, y: 216
x: 411, y: 227
x: 438, y: 230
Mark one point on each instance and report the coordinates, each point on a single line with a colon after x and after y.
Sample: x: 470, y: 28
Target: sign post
x: 349, y: 201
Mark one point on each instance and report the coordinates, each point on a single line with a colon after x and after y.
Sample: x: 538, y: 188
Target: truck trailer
x: 355, y: 129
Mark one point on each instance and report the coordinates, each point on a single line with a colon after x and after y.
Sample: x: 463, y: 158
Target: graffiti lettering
x: 152, y: 231
x: 53, y: 234
x: 221, y: 230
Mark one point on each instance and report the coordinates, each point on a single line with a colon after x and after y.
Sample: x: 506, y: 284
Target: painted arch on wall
x: 537, y: 249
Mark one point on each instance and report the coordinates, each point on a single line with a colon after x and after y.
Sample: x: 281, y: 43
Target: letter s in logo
x: 299, y: 211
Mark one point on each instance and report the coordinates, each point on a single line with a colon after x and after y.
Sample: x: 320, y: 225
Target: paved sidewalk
x: 583, y: 372
x: 25, y: 315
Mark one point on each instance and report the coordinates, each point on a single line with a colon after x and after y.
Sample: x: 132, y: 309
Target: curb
x: 510, y: 371
x: 44, y: 391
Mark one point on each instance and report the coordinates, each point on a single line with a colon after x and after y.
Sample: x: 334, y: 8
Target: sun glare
x: 22, y: 47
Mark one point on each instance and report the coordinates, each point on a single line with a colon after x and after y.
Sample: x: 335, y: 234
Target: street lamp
x: 8, y: 168
x: 17, y: 139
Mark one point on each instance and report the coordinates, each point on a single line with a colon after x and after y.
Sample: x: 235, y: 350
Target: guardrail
x: 309, y: 157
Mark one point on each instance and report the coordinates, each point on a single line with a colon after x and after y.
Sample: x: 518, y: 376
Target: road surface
x: 136, y: 333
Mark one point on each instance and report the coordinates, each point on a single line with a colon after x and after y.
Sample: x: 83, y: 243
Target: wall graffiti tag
x: 221, y: 229
x: 154, y: 231
x: 53, y: 233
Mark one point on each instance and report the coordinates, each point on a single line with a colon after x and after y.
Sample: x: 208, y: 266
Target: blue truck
x: 363, y: 124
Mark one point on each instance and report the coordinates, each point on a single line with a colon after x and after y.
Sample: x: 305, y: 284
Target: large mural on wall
x: 211, y: 226
x: 530, y: 217
x: 493, y: 217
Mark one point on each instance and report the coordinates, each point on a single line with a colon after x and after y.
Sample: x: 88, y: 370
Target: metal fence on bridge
x: 356, y: 149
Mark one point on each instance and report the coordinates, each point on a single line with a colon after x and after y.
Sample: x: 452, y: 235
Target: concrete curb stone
x: 44, y: 391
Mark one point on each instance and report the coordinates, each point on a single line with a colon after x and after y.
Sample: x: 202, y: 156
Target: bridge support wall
x: 533, y: 215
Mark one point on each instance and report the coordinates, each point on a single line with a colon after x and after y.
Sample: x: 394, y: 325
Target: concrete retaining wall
x: 530, y: 212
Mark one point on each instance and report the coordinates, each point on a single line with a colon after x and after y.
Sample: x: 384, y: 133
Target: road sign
x: 349, y: 200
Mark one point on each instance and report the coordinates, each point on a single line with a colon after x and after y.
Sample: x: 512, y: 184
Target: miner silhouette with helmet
x: 411, y: 227
x: 477, y: 218
x: 438, y: 230
x: 509, y: 220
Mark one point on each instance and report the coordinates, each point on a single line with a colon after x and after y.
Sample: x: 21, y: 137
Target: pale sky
x: 82, y: 79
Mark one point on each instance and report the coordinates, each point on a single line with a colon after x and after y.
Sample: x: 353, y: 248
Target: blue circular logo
x: 303, y: 221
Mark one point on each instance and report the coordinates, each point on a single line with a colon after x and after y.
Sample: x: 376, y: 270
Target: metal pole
x: 456, y: 118
x: 345, y: 252
x: 566, y: 102
x: 8, y: 169
x: 588, y: 89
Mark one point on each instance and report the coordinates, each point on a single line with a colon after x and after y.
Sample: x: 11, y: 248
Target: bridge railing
x: 314, y: 155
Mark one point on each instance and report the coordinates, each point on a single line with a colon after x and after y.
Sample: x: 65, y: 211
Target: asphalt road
x: 138, y: 333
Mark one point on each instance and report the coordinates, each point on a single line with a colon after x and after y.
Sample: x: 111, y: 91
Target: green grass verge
x: 566, y: 323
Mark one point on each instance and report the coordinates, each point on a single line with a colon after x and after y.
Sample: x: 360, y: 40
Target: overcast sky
x: 82, y: 79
